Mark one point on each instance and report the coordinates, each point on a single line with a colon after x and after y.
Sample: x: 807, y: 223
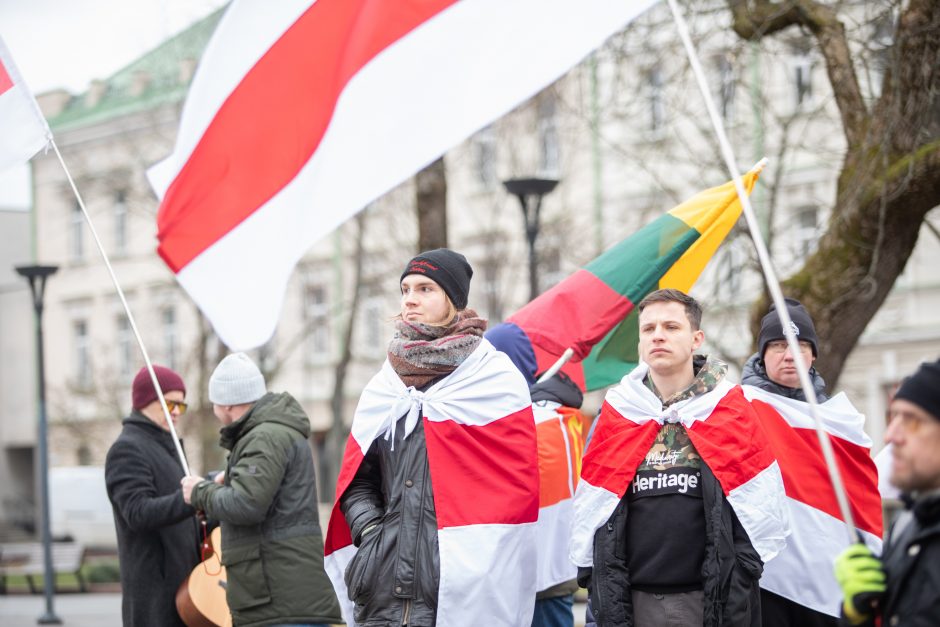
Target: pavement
x: 92, y: 609
x: 74, y: 610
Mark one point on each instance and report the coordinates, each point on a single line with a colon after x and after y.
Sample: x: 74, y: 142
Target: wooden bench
x: 26, y: 559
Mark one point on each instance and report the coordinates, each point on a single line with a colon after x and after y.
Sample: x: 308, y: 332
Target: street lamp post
x: 530, y: 192
x: 37, y: 275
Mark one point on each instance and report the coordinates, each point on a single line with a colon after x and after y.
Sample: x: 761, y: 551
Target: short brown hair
x: 693, y: 310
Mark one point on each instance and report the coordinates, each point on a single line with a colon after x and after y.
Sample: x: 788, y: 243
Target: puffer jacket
x: 272, y: 546
x: 394, y: 577
x: 730, y: 571
x: 755, y: 374
x: 912, y: 563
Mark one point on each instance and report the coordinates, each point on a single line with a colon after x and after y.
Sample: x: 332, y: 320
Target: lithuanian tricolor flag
x: 592, y: 311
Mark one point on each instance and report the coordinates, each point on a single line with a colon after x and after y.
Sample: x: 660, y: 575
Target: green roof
x: 163, y: 67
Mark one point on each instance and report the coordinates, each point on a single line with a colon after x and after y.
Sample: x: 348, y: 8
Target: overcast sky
x: 67, y: 43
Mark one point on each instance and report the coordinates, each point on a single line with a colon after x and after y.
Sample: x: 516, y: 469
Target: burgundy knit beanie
x: 143, y: 392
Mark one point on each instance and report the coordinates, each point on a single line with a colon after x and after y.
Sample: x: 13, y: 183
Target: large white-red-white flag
x: 802, y: 572
x: 23, y: 129
x: 301, y: 113
x: 482, y: 458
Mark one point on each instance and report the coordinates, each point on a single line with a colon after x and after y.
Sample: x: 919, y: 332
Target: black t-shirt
x: 666, y: 516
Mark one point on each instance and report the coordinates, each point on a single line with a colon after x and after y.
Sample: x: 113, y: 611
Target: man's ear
x: 698, y: 338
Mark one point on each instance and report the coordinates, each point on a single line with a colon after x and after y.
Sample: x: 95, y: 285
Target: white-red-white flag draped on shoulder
x: 482, y: 457
x: 301, y: 113
x: 23, y: 129
x: 802, y: 572
x: 726, y: 433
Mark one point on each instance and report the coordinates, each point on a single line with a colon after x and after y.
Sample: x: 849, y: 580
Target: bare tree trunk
x: 890, y: 178
x: 338, y: 432
x: 431, y: 202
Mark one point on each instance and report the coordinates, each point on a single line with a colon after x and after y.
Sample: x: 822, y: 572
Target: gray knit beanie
x: 236, y: 381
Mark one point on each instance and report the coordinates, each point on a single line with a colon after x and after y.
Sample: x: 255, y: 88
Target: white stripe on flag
x: 554, y: 531
x: 335, y: 565
x: 761, y: 509
x: 802, y: 572
x: 487, y: 575
x: 592, y: 507
x: 23, y: 129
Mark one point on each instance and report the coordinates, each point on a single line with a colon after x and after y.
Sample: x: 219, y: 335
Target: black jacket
x: 912, y: 563
x: 755, y: 374
x: 730, y: 571
x: 395, y: 574
x: 157, y: 533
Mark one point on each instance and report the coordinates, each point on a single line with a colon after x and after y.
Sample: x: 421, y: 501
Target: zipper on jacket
x: 406, y: 613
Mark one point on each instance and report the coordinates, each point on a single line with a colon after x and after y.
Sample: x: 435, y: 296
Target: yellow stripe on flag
x: 712, y: 213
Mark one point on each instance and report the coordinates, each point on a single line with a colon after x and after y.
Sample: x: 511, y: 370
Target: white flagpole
x: 769, y: 273
x: 127, y: 310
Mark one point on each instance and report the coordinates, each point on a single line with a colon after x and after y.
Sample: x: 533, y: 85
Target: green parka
x: 272, y: 545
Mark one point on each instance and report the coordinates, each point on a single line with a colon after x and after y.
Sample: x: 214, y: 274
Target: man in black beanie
x: 447, y: 268
x: 903, y: 587
x: 773, y: 367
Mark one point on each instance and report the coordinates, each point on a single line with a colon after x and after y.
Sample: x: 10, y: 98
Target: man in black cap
x: 773, y: 367
x: 903, y: 587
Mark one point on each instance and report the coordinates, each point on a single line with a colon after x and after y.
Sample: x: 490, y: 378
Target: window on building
x: 76, y: 233
x: 802, y: 80
x: 120, y: 223
x: 317, y: 320
x: 807, y: 225
x: 82, y: 357
x: 125, y: 346
x: 725, y: 87
x: 485, y: 156
x: 657, y: 105
x: 170, y: 328
x: 549, y: 145
x: 373, y: 316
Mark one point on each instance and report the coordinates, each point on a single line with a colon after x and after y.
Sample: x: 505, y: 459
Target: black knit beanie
x: 771, y: 329
x: 923, y: 388
x: 448, y: 269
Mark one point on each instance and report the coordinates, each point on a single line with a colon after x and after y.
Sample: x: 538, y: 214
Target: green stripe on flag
x: 646, y: 255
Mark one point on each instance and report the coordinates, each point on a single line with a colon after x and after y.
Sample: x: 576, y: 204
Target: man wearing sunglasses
x: 157, y: 533
x: 903, y: 586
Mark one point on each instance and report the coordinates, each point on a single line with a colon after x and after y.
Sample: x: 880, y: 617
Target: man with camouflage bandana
x: 688, y: 559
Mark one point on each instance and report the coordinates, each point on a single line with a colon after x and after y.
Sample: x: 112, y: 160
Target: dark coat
x: 157, y: 533
x: 396, y: 571
x: 912, y: 563
x: 755, y: 374
x: 730, y: 571
x: 272, y: 545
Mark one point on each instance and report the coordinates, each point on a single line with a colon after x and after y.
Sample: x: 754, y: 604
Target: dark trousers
x: 777, y: 611
x: 554, y: 612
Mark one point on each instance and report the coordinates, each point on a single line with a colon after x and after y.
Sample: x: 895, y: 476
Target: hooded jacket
x: 272, y: 545
x: 755, y: 374
x: 157, y: 533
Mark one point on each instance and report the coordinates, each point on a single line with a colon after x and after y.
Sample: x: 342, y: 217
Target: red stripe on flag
x: 6, y: 82
x: 271, y: 124
x: 806, y: 477
x: 577, y: 313
x: 732, y: 442
x: 338, y: 534
x: 617, y: 448
x: 484, y: 474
